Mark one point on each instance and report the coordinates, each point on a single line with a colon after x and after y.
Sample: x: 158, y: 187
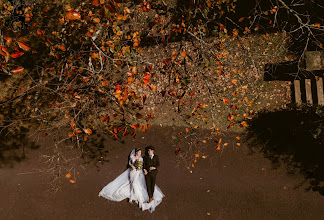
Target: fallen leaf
x: 88, y: 131
x: 95, y: 3
x: 317, y: 25
x: 16, y: 54
x: 8, y: 40
x: 23, y: 46
x: 68, y: 175
x: 72, y: 181
x: 104, y: 83
x: 243, y: 124
x: 73, y: 15
x: 61, y: 47
x: 17, y: 70
x: 96, y: 20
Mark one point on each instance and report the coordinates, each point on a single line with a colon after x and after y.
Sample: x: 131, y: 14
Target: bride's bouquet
x: 138, y: 165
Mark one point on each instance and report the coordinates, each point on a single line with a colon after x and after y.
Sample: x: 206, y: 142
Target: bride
x: 131, y: 184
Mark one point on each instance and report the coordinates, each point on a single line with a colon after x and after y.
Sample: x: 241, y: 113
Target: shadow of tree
x: 13, y: 146
x: 294, y: 137
x: 95, y: 150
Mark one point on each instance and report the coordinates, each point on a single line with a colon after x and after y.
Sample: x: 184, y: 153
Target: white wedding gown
x: 131, y: 184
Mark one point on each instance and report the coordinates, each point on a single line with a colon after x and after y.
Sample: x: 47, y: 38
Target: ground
x: 228, y: 184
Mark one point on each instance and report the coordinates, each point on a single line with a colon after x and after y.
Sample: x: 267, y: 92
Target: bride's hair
x: 136, y: 150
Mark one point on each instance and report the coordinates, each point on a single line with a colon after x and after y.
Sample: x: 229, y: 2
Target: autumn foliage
x: 82, y: 65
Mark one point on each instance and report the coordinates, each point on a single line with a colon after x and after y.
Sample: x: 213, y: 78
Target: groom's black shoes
x: 151, y: 199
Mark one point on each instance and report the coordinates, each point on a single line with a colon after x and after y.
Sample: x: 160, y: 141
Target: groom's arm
x: 157, y: 162
x: 144, y: 164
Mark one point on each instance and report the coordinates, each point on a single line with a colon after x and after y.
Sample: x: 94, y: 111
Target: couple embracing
x: 137, y: 183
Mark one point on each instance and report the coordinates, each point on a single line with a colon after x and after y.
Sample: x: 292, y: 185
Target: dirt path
x: 234, y: 185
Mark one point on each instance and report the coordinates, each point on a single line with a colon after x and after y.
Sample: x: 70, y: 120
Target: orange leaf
x: 222, y: 27
x: 3, y: 51
x: 187, y: 129
x: 174, y: 55
x: 85, y: 79
x: 196, y: 155
x: 17, y: 70
x: 134, y: 126
x: 16, y: 54
x: 114, y: 135
x: 146, y: 78
x: 68, y: 175
x: 104, y: 83
x: 125, y: 132
x: 96, y: 20
x: 225, y: 144
x: 88, y: 131
x: 204, y: 141
x: 23, y: 46
x: 225, y: 100
x: 238, y: 138
x: 39, y: 32
x: 61, y: 47
x: 218, y: 147
x: 8, y: 40
x: 243, y: 124
x: 183, y: 53
x: 94, y: 55
x: 73, y: 15
x: 241, y: 19
x: 95, y: 3
x: 85, y: 138
x: 72, y: 181
x: 72, y: 123
x: 317, y: 25
x: 238, y: 144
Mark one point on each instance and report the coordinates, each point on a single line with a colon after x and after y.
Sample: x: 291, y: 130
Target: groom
x: 151, y: 163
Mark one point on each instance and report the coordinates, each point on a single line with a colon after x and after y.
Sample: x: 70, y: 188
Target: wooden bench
x: 307, y: 82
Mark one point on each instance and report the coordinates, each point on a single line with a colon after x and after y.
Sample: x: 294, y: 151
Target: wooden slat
x: 320, y: 95
x: 308, y: 85
x: 297, y: 92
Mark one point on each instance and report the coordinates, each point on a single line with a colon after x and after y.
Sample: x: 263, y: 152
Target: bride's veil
x: 132, y: 154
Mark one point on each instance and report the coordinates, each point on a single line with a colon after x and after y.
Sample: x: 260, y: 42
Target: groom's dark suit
x: 150, y: 177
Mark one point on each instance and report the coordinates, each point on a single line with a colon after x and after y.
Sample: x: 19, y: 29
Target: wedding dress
x: 131, y: 184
